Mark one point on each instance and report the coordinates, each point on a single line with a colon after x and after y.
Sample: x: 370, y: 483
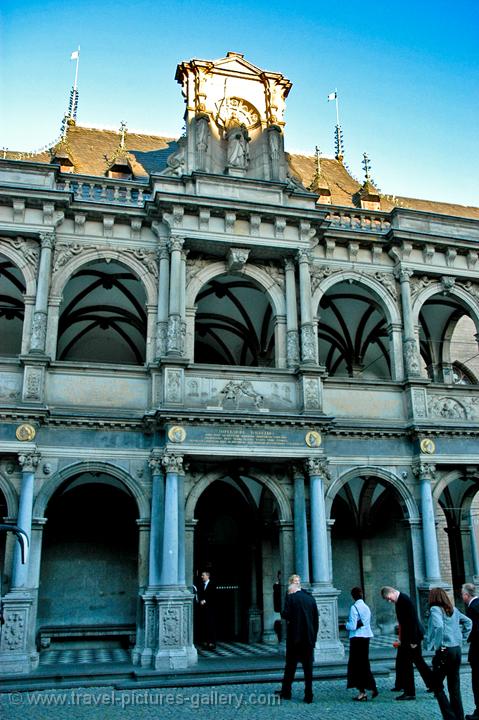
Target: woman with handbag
x: 444, y: 636
x: 359, y: 626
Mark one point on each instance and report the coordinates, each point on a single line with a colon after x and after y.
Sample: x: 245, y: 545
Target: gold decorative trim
x: 177, y: 434
x: 313, y: 439
x: 25, y: 432
x: 428, y: 446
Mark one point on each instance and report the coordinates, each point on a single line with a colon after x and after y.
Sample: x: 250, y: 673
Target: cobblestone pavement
x: 222, y: 702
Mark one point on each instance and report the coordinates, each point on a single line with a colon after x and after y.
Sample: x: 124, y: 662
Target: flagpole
x: 337, y: 105
x: 75, y: 84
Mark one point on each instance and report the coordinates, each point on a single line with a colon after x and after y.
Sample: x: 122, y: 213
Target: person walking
x: 301, y: 615
x: 359, y: 626
x: 412, y: 633
x: 444, y: 636
x: 471, y: 601
x: 206, y: 594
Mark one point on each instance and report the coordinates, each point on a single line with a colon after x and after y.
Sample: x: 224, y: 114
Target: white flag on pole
x: 332, y: 96
x: 74, y: 55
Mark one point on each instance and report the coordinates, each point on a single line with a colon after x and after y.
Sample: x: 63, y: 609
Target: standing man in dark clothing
x: 471, y: 601
x: 206, y: 595
x: 412, y: 633
x: 301, y: 615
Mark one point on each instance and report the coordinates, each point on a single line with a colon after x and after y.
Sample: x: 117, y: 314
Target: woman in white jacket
x: 359, y: 626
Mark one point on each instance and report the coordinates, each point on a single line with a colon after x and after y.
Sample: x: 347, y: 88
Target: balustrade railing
x: 357, y: 220
x: 105, y: 191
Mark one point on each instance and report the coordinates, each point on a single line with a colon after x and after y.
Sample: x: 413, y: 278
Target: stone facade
x: 204, y: 366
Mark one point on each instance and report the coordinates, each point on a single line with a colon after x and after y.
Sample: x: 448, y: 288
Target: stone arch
x: 200, y: 486
x: 465, y: 299
x: 385, y: 300
x: 26, y: 268
x: 49, y: 488
x: 10, y: 495
x: 64, y: 274
x: 443, y: 482
x: 271, y: 288
x: 389, y: 477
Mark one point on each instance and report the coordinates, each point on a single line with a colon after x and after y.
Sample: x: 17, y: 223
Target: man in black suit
x: 301, y: 615
x: 471, y: 601
x: 206, y: 594
x: 412, y: 633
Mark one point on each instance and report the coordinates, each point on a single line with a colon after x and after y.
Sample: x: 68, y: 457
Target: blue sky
x: 407, y: 75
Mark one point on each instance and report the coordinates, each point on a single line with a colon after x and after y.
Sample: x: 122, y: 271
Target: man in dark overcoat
x: 301, y: 615
x: 412, y: 633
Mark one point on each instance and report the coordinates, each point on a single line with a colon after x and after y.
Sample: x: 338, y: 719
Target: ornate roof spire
x: 368, y: 196
x: 318, y: 183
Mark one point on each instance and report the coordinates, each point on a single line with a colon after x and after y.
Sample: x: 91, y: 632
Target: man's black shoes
x: 407, y: 697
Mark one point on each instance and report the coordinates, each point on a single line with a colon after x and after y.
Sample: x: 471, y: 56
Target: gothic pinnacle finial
x: 317, y: 153
x: 367, y: 168
x: 123, y: 131
x: 339, y: 145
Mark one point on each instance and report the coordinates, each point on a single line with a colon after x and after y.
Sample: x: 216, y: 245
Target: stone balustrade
x: 105, y: 191
x: 358, y: 220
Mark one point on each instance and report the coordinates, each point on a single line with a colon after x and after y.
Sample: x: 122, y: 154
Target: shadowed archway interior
x: 103, y: 316
x: 12, y: 307
x: 234, y: 323
x: 352, y: 333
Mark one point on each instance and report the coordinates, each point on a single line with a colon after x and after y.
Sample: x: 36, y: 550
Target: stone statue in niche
x: 237, y: 154
x: 202, y: 134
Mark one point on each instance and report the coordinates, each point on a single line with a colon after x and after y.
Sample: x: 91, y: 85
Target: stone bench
x: 84, y: 632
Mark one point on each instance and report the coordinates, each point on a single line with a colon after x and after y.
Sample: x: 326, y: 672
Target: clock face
x: 428, y: 446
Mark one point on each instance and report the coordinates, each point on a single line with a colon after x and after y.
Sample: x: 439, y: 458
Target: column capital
x: 163, y: 252
x: 47, y: 240
x: 424, y: 471
x: 173, y: 463
x: 403, y: 274
x: 304, y: 256
x: 175, y: 243
x: 289, y: 264
x: 317, y: 466
x: 28, y: 461
x: 155, y: 463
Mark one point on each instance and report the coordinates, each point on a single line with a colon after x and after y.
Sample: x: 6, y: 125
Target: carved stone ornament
x: 176, y: 161
x: 39, y: 331
x: 175, y: 335
x: 424, y: 471
x: 411, y: 357
x: 471, y: 287
x: 312, y: 395
x: 317, y: 466
x: 447, y: 283
x: 173, y: 463
x: 388, y: 282
x: 419, y: 283
x: 155, y: 463
x: 318, y: 274
x: 28, y: 250
x: 170, y: 626
x: 419, y: 402
x: 234, y: 112
x: 29, y: 461
x: 33, y: 383
x: 237, y: 153
x: 25, y: 432
x: 173, y: 385
x: 292, y: 348
x: 64, y: 252
x: 148, y: 258
x: 234, y: 390
x: 237, y: 258
x: 47, y: 240
x: 447, y: 407
x: 308, y: 343
x: 14, y: 631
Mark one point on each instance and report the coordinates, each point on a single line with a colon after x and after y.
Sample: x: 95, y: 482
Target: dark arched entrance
x: 237, y: 540
x: 89, y: 560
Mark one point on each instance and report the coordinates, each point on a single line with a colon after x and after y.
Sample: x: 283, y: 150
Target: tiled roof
x: 92, y: 150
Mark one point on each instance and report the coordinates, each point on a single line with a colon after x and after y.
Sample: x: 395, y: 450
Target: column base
x: 18, y: 654
x: 423, y: 595
x: 166, y: 638
x: 328, y: 645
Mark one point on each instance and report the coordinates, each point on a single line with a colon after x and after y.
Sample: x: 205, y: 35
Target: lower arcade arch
x: 89, y: 569
x: 371, y: 545
x: 237, y: 541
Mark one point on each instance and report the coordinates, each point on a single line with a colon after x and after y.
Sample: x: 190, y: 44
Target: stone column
x: 175, y: 337
x: 171, y: 544
x: 308, y: 339
x: 163, y: 300
x: 292, y: 341
x: 317, y: 468
x: 301, y: 554
x: 474, y: 547
x: 328, y: 644
x: 410, y: 349
x: 181, y: 529
x: 39, y: 327
x: 28, y: 462
x: 426, y: 474
x: 189, y: 549
x: 156, y: 519
x: 254, y: 613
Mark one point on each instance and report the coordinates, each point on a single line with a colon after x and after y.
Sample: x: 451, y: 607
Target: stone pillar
x: 410, y: 349
x: 308, y: 340
x: 181, y: 530
x: 189, y: 550
x: 28, y: 462
x: 426, y: 473
x: 17, y: 645
x: 156, y: 519
x: 254, y: 613
x: 163, y: 300
x: 292, y: 341
x: 301, y: 554
x: 317, y: 469
x: 39, y: 327
x: 474, y: 546
x: 328, y: 644
x: 171, y: 545
x: 175, y: 336
x: 395, y: 345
